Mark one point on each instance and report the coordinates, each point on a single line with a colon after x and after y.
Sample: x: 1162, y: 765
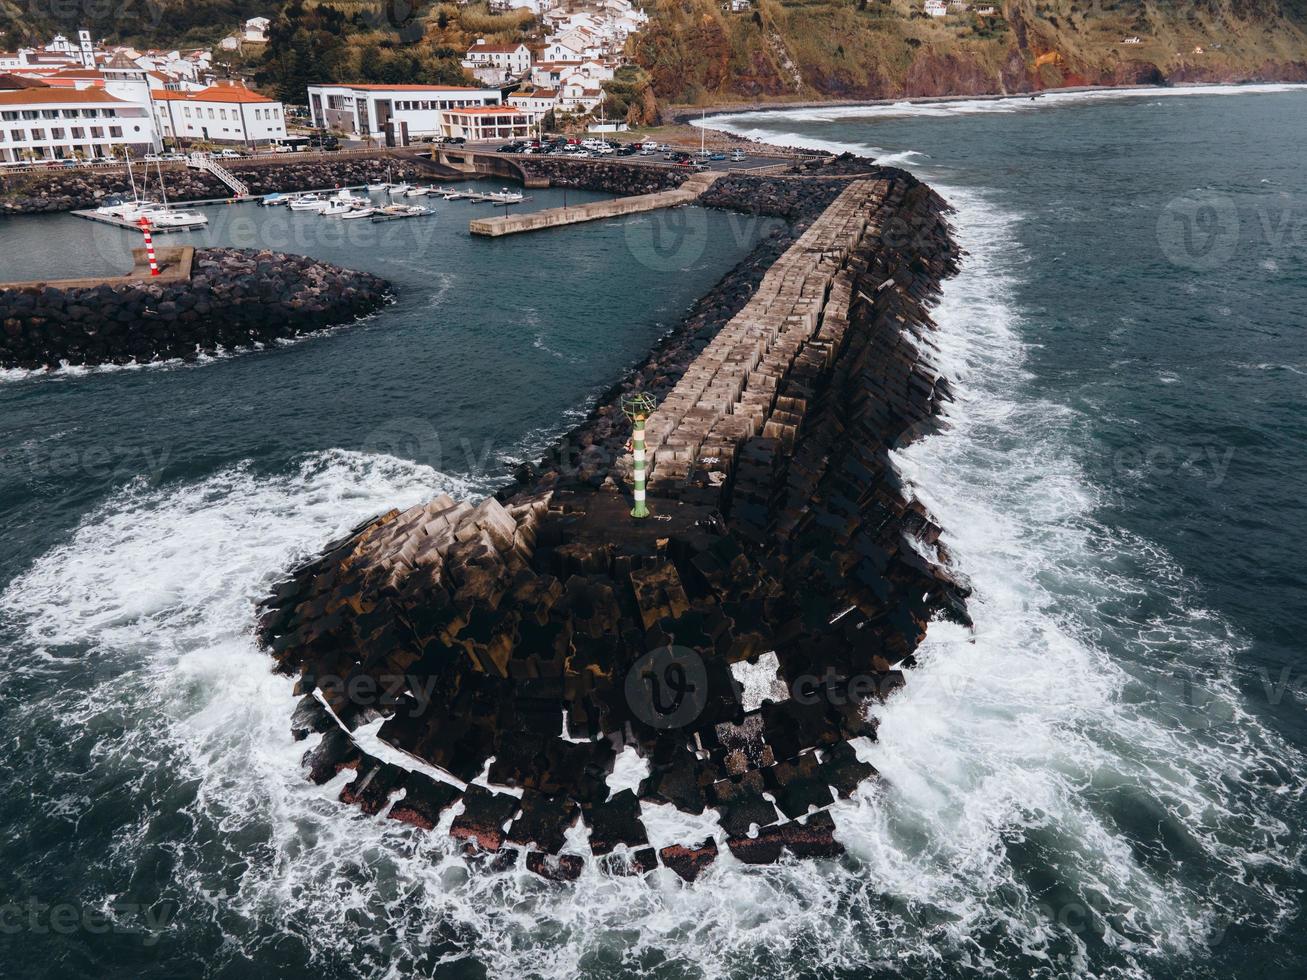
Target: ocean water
x: 1102, y: 778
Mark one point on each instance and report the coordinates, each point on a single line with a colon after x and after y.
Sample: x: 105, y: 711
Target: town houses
x: 226, y: 112
x: 47, y: 123
x: 81, y: 98
x: 496, y: 63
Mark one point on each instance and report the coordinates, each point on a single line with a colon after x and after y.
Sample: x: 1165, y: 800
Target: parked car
x: 718, y: 156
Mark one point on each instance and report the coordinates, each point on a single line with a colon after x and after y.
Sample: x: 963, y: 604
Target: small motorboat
x: 395, y: 212
x: 307, y: 202
x: 378, y: 188
x: 400, y: 188
x: 419, y: 191
x: 163, y: 217
x: 331, y: 209
x: 273, y: 200
x: 359, y: 213
x: 505, y: 196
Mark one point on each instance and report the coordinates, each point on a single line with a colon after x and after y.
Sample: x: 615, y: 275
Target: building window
x: 17, y: 135
x: 116, y: 132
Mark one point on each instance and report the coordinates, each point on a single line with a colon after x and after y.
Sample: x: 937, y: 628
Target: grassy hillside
x: 803, y: 49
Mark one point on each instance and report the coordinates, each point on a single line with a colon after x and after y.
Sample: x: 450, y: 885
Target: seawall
x: 231, y: 298
x: 74, y: 190
x: 489, y: 624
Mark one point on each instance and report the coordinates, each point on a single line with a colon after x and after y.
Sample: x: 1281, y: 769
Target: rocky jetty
x: 739, y: 640
x: 75, y: 190
x: 233, y: 298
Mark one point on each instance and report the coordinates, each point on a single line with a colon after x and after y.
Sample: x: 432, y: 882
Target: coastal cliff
x: 514, y: 647
x: 697, y: 51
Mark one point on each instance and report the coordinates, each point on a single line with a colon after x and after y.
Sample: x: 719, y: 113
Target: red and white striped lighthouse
x: 149, y: 244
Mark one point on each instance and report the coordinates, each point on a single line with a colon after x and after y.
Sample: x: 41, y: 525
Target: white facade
x: 512, y: 60
x: 256, y: 29
x: 61, y: 124
x: 935, y: 8
x: 537, y: 103
x: 220, y: 114
x: 476, y: 123
x: 364, y: 110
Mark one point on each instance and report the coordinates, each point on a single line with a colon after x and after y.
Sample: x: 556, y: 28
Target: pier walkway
x: 512, y: 224
x: 798, y: 314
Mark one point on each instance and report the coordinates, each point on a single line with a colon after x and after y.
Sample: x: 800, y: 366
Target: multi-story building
x: 366, y: 110
x: 222, y: 113
x: 536, y: 103
x: 494, y: 63
x: 487, y: 123
x: 64, y: 124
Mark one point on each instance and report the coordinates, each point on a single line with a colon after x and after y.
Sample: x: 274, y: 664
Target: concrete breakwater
x: 74, y: 190
x: 738, y: 641
x: 687, y: 193
x: 232, y: 298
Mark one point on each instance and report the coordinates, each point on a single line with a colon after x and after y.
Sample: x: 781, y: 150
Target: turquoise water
x: 1102, y: 778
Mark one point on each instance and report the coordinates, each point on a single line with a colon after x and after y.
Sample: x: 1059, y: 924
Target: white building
x: 536, y: 103
x: 495, y: 63
x: 256, y: 30
x: 66, y: 123
x: 9, y: 60
x: 486, y: 122
x: 365, y: 110
x: 935, y: 8
x: 580, y: 97
x: 224, y: 113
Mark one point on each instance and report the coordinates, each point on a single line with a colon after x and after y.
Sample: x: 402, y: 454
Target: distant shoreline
x: 686, y: 114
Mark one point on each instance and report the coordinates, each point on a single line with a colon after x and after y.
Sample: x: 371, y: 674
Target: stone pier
x: 730, y: 393
x: 511, y: 224
x: 740, y: 639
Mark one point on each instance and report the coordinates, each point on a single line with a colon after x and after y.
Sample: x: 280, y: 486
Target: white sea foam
x: 765, y: 124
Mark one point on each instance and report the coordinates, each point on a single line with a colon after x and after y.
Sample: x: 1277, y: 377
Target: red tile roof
x: 494, y: 48
x: 230, y: 93
x: 57, y: 96
x: 407, y: 88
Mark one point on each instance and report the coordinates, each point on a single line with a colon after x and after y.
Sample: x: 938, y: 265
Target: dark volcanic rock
x: 780, y: 526
x: 234, y: 299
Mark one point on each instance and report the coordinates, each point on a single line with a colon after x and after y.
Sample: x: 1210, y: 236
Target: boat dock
x: 117, y: 222
x: 687, y: 193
